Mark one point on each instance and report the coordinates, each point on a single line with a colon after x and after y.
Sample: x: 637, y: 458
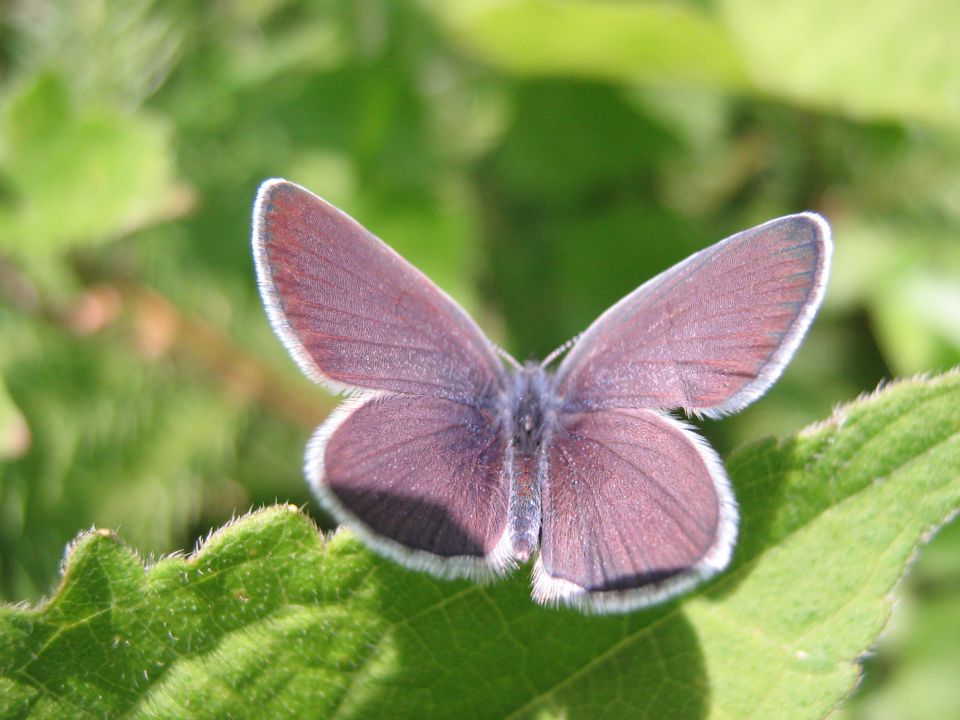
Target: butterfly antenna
x: 559, y: 351
x: 506, y: 356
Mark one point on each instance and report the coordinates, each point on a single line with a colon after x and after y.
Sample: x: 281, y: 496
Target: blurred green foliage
x: 537, y: 158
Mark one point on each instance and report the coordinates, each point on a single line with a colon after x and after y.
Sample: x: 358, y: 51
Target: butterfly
x: 451, y: 457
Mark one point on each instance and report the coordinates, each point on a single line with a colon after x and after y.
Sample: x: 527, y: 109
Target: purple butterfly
x: 447, y: 461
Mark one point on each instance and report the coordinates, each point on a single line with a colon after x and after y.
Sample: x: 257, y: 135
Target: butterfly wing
x: 711, y: 334
x: 356, y: 315
x: 414, y: 464
x: 636, y: 508
x: 421, y: 479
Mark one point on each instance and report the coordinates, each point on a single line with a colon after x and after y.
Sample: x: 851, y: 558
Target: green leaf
x: 911, y: 674
x: 79, y: 175
x: 267, y: 620
x: 650, y: 41
x: 120, y: 442
x: 865, y: 58
x: 904, y: 275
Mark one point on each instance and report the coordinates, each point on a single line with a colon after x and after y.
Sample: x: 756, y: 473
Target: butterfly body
x: 532, y: 417
x: 446, y: 460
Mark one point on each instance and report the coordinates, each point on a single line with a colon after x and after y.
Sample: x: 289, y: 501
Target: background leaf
x: 121, y: 160
x: 891, y: 62
x: 266, y: 619
x: 651, y: 41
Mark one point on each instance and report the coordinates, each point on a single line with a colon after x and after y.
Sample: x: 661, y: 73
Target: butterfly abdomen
x: 531, y: 422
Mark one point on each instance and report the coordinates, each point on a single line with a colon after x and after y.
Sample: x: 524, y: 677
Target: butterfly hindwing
x: 422, y: 479
x: 636, y: 508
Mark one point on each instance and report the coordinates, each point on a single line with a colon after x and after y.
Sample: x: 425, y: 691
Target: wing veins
x: 662, y: 488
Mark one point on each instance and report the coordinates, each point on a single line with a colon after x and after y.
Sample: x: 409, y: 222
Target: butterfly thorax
x: 529, y: 408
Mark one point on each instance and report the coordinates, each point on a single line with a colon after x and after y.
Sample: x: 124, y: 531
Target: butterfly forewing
x: 635, y: 508
x: 711, y: 334
x: 354, y: 313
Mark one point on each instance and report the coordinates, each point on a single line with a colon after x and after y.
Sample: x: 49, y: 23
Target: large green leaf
x: 268, y: 620
x: 912, y: 673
